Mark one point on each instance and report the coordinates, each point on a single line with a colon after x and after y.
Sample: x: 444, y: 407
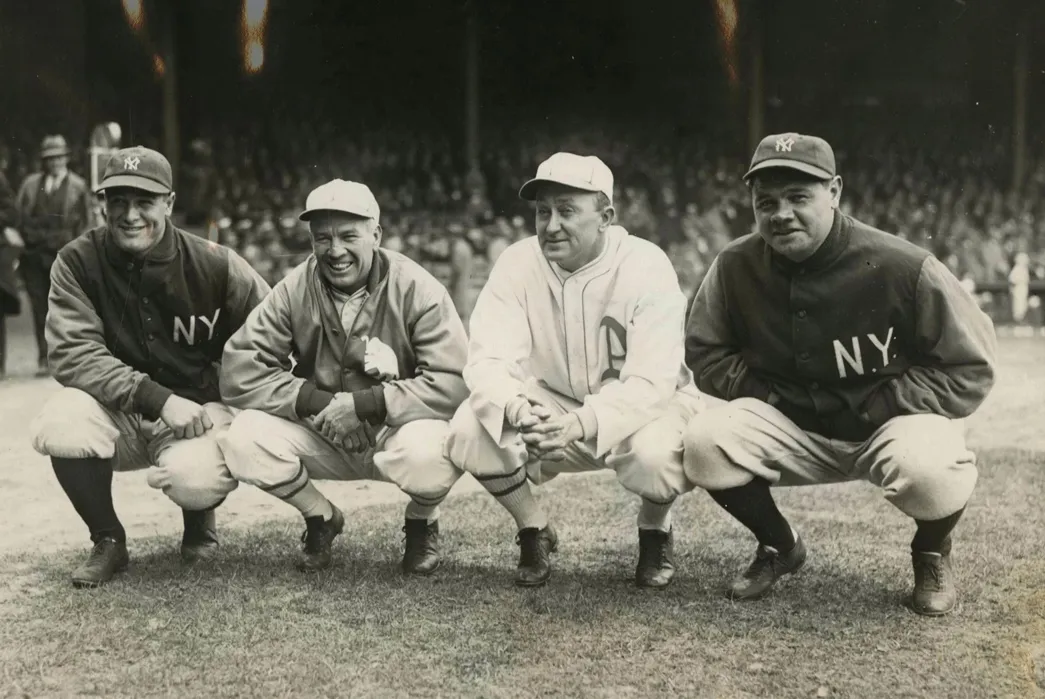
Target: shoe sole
x: 750, y: 598
x: 647, y: 586
x: 85, y: 584
x: 196, y: 557
x: 931, y: 614
x: 423, y: 573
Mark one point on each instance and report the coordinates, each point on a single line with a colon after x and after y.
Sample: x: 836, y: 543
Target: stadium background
x: 444, y: 108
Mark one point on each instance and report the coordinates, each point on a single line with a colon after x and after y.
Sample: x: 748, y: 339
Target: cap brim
x: 790, y: 165
x: 309, y: 213
x: 133, y: 182
x: 528, y: 192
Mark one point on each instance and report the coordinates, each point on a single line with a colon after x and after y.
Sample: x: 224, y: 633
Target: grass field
x: 249, y: 625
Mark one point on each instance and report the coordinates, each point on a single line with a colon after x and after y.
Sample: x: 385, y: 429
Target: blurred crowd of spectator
x: 950, y: 194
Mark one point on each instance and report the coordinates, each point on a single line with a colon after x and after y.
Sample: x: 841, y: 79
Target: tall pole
x: 1019, y: 105
x: 756, y: 82
x: 168, y: 53
x: 472, y: 85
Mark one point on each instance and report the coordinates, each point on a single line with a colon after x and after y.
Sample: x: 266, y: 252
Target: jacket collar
x: 350, y: 350
x: 163, y: 251
x: 831, y: 249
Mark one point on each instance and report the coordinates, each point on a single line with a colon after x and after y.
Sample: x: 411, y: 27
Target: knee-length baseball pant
x: 920, y: 461
x: 191, y: 472
x: 280, y: 456
x: 648, y: 463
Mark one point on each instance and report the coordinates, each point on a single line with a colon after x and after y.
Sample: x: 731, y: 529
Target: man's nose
x: 783, y: 212
x: 337, y: 248
x: 554, y: 223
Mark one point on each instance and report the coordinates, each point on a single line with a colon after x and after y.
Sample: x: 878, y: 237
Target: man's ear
x: 378, y: 232
x: 835, y: 187
x: 606, y: 217
x: 170, y: 203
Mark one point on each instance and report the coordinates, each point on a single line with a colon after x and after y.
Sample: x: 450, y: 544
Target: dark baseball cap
x: 140, y: 168
x: 795, y: 151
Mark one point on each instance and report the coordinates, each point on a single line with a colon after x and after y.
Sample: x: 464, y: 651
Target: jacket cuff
x: 311, y: 400
x: 882, y: 406
x: 370, y: 405
x: 589, y: 421
x: 149, y: 399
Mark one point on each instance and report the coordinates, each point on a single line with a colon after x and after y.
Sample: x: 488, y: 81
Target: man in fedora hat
x: 139, y: 313
x: 54, y: 206
x: 846, y: 354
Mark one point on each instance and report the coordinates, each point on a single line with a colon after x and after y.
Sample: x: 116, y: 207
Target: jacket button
x: 151, y: 337
x: 145, y: 301
x: 802, y: 314
x: 815, y: 386
x: 804, y: 356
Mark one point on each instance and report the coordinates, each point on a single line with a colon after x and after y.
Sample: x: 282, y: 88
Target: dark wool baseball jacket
x: 130, y: 332
x: 869, y: 328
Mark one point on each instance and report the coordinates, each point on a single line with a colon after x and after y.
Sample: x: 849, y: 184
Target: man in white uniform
x: 575, y: 364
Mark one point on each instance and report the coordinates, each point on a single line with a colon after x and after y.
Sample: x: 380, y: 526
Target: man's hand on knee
x: 185, y: 418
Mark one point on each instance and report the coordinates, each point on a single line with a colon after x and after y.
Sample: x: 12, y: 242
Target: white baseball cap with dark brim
x: 810, y: 155
x: 584, y: 172
x: 344, y: 196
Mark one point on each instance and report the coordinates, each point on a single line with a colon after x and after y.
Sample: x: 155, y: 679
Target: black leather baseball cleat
x: 318, y: 538
x: 200, y: 539
x: 934, y: 590
x: 535, y: 549
x: 108, y: 557
x: 421, y: 556
x: 769, y: 566
x: 656, y: 566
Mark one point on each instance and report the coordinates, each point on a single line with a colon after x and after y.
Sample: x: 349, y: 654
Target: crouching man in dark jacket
x: 139, y: 312
x: 846, y: 354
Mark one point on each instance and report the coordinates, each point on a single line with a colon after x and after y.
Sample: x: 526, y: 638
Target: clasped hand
x: 546, y: 437
x: 339, y: 423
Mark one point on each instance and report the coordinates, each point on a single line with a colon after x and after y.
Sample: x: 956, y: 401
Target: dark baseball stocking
x: 752, y: 505
x: 931, y: 536
x: 88, y: 484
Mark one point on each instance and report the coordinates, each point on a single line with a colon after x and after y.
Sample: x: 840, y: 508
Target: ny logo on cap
x: 131, y: 163
x: 784, y: 144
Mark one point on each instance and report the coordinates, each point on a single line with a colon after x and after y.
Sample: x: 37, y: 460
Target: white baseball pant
x: 280, y: 456
x: 648, y: 463
x: 920, y: 461
x: 191, y: 472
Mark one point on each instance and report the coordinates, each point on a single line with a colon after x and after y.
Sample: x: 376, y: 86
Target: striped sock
x: 513, y: 492
x: 654, y: 515
x: 299, y: 492
x: 311, y: 503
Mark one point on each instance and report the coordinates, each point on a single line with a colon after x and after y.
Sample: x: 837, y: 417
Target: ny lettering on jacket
x: 849, y: 357
x: 186, y: 332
